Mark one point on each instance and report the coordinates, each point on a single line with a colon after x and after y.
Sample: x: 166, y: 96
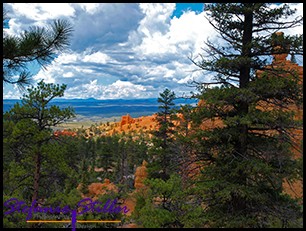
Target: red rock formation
x: 128, y: 124
x: 97, y: 189
x: 280, y: 63
x: 140, y: 175
x: 294, y: 189
x: 130, y: 202
x: 64, y: 133
x: 126, y: 119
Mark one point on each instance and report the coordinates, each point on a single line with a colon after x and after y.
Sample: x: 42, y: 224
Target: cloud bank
x: 120, y: 50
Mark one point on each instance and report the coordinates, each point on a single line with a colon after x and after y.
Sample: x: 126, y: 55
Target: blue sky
x: 121, y: 50
x: 183, y: 7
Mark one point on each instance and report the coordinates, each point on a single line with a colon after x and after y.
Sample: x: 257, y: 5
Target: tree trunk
x: 239, y: 203
x: 245, y: 77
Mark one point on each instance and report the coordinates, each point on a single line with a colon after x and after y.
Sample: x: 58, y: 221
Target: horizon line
x: 98, y: 99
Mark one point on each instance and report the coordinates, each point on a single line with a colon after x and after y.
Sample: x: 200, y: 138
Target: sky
x: 121, y: 50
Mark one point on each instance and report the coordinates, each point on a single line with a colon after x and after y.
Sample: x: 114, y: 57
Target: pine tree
x: 168, y: 205
x: 163, y: 137
x: 35, y: 44
x: 184, y: 144
x: 28, y: 127
x: 248, y: 156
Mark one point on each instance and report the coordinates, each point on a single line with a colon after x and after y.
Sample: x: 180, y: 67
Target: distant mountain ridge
x: 107, y: 108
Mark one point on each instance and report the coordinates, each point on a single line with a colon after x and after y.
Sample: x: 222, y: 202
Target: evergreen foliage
x: 28, y: 131
x: 220, y: 164
x: 248, y: 157
x: 40, y: 44
x: 168, y: 205
x: 162, y: 150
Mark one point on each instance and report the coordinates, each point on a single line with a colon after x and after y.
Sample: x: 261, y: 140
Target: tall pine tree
x: 249, y: 153
x: 28, y: 128
x: 163, y: 137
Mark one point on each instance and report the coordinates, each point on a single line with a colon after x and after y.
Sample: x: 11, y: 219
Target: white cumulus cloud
x: 121, y: 50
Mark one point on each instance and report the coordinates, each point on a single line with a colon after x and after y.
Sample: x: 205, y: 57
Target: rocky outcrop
x: 287, y: 68
x: 64, y: 133
x: 126, y: 119
x: 280, y: 62
x: 97, y: 189
x: 140, y: 175
x: 129, y: 124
